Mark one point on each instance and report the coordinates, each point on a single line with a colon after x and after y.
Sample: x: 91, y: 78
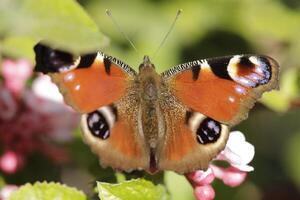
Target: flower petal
x: 201, y: 177
x: 15, y: 74
x: 205, y: 192
x: 44, y: 88
x: 238, y: 152
x: 8, y: 106
x: 231, y: 176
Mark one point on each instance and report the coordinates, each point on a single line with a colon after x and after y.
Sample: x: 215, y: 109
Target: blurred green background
x: 206, y: 28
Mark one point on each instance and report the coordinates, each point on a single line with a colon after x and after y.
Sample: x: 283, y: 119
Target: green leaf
x: 47, y: 191
x: 292, y: 158
x: 61, y: 24
x: 132, y: 190
x: 178, y: 186
x: 276, y: 100
x: 18, y: 47
x: 289, y: 89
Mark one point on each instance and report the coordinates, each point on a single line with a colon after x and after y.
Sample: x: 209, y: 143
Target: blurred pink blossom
x: 31, y: 121
x: 238, y: 153
x: 6, y: 191
x: 8, y: 106
x: 15, y: 74
x: 10, y: 162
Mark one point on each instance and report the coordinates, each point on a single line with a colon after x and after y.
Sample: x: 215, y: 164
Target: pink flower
x: 8, y: 105
x: 32, y: 121
x: 230, y: 176
x: 10, y: 162
x: 205, y: 192
x: 15, y: 74
x: 6, y: 191
x: 238, y: 153
x: 201, y: 177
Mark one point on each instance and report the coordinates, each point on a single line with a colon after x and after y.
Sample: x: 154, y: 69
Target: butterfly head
x: 146, y: 64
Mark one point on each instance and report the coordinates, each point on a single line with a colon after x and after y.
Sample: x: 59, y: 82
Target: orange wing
x: 88, y: 81
x: 206, y: 98
x: 115, y: 137
x: 223, y: 88
x: 191, y: 139
x: 103, y: 89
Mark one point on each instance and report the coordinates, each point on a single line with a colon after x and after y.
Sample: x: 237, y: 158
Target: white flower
x: 44, y: 88
x: 45, y: 96
x: 238, y: 152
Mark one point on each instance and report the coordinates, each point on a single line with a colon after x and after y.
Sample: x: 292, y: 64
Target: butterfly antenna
x: 109, y: 14
x: 168, y: 33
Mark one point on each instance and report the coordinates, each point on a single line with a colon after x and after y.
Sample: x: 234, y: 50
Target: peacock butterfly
x: 178, y: 120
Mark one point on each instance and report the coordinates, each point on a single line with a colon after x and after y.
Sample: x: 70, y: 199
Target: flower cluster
x: 238, y: 153
x: 31, y: 118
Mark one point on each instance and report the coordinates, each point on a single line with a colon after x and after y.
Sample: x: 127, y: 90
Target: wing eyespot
x: 206, y: 129
x: 98, y: 125
x: 250, y: 71
x: 100, y: 122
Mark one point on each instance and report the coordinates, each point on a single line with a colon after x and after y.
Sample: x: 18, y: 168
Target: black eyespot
x: 98, y: 125
x: 209, y: 131
x: 51, y: 60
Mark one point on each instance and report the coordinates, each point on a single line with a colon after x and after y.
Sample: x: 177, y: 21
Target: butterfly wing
x: 191, y: 139
x: 112, y: 133
x: 102, y: 88
x: 210, y: 96
x: 88, y: 81
x: 223, y: 88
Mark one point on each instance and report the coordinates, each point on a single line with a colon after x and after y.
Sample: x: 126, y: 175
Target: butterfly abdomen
x: 151, y: 117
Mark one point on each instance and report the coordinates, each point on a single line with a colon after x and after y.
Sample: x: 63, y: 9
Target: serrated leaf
x: 61, y: 24
x: 47, y: 191
x: 131, y: 190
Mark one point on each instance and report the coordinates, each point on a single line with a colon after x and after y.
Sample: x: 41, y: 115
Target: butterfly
x: 178, y: 120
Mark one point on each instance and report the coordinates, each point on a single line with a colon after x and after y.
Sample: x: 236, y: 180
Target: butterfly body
x: 178, y: 120
x: 150, y: 87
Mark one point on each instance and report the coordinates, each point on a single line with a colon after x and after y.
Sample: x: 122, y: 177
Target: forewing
x: 87, y: 81
x: 223, y: 88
